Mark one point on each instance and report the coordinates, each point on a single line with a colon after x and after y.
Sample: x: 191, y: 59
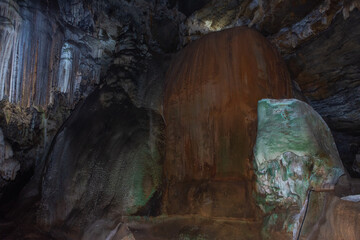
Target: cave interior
x: 179, y: 119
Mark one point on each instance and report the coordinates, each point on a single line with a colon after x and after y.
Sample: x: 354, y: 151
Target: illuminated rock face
x: 294, y: 152
x: 339, y: 220
x: 27, y: 67
x: 39, y: 57
x: 211, y: 96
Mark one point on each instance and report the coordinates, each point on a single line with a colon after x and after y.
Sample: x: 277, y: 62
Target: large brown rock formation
x: 211, y: 95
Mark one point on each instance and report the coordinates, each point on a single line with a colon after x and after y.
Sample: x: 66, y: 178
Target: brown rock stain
x: 210, y: 108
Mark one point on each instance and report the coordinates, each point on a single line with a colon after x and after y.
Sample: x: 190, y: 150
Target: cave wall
x: 37, y: 57
x: 328, y: 72
x: 55, y: 53
x: 104, y: 163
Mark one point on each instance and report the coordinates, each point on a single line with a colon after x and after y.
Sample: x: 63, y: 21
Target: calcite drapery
x: 39, y: 57
x: 211, y: 93
x: 29, y: 45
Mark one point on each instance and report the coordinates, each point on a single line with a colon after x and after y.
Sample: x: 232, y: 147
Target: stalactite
x: 65, y: 69
x: 37, y: 60
x: 26, y: 50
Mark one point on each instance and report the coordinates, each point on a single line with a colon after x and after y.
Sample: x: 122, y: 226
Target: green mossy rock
x: 294, y: 152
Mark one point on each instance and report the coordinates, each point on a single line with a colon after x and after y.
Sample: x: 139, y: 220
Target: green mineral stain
x: 294, y: 152
x: 146, y: 172
x: 262, y: 203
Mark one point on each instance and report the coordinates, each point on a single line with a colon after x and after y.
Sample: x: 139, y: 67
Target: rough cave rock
x: 294, y: 153
x: 104, y: 163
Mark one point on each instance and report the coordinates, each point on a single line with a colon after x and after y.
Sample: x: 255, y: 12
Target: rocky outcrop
x: 328, y: 72
x: 294, y: 153
x: 210, y: 102
x: 341, y: 214
x: 288, y: 24
x: 103, y: 164
x: 331, y: 217
x: 302, y: 139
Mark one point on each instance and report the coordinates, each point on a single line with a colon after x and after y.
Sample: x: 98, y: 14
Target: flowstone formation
x: 211, y: 97
x: 294, y: 153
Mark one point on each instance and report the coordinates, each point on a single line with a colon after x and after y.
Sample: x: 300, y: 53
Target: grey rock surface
x: 104, y: 163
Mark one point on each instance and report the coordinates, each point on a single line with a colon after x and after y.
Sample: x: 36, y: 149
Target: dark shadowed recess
x: 188, y: 6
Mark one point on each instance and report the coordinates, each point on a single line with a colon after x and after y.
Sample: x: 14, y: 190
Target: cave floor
x: 192, y: 227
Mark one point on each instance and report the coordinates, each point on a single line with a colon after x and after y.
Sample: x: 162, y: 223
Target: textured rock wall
x: 328, y: 72
x: 31, y: 43
x: 332, y: 217
x: 8, y: 166
x: 103, y: 164
x: 287, y: 24
x: 55, y: 52
x: 211, y: 94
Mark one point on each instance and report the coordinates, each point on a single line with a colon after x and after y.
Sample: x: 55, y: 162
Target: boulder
x: 294, y: 153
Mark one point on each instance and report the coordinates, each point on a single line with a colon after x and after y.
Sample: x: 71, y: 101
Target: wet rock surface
x: 290, y: 131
